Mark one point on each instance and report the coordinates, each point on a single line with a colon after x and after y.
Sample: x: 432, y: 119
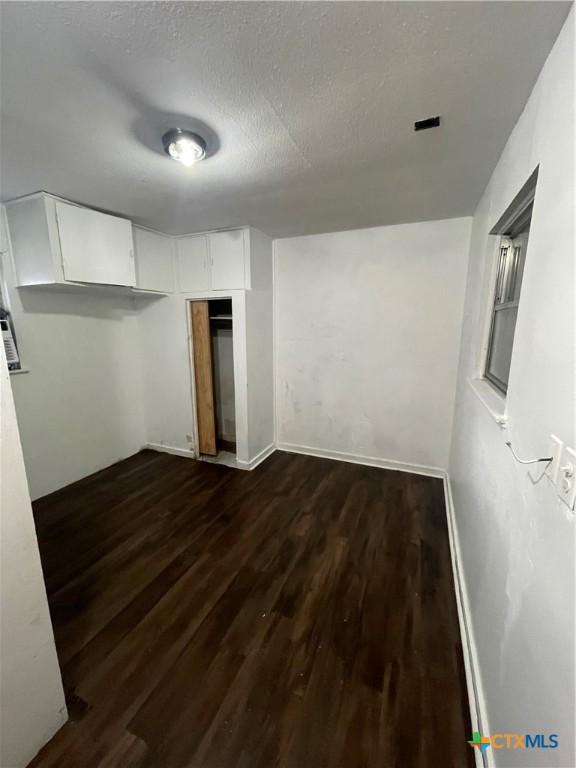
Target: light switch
x: 566, y: 482
x: 555, y: 451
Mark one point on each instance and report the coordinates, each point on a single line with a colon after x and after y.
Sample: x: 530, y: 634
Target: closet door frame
x: 240, y: 368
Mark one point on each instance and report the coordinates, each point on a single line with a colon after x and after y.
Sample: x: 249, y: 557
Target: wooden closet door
x: 203, y: 378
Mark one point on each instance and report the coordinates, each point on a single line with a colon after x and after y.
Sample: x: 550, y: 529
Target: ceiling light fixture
x: 186, y: 147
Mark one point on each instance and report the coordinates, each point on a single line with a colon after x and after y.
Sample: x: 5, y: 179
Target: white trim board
x: 236, y: 463
x: 161, y: 448
x: 258, y: 459
x: 368, y: 461
x: 230, y: 460
x: 476, y: 699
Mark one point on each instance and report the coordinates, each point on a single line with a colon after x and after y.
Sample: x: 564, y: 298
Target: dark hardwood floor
x: 298, y: 616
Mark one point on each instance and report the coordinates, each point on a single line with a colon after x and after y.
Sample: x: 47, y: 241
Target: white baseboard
x: 258, y: 459
x: 170, y: 449
x: 238, y: 463
x: 476, y: 699
x: 369, y: 461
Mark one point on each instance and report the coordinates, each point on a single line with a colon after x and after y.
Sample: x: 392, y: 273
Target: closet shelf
x: 221, y: 317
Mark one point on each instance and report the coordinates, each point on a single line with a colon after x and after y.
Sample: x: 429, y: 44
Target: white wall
x: 168, y: 387
x: 517, y: 539
x: 166, y: 372
x: 260, y: 346
x: 80, y: 405
x: 32, y: 704
x: 367, y: 334
x: 166, y: 375
x: 109, y: 373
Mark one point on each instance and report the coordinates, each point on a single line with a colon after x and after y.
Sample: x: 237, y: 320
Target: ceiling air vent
x: 430, y: 122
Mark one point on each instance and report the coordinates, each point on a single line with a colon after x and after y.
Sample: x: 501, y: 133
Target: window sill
x: 493, y: 401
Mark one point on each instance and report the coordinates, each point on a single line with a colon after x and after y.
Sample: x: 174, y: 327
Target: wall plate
x: 566, y: 483
x: 555, y: 450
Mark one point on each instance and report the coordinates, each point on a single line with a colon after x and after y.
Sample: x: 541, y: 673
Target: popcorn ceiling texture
x: 311, y: 105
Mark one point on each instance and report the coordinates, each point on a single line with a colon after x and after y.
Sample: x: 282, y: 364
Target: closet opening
x: 213, y: 364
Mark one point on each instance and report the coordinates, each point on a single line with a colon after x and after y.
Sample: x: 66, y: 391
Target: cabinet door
x: 227, y: 259
x: 154, y: 262
x: 193, y: 265
x: 95, y: 247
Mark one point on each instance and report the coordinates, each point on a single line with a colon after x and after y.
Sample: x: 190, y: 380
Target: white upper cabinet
x: 216, y: 261
x: 95, y: 247
x: 227, y: 254
x: 193, y: 265
x: 58, y: 242
x: 154, y: 261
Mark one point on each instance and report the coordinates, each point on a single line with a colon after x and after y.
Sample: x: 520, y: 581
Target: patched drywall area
x: 516, y: 537
x: 367, y: 333
x: 32, y: 704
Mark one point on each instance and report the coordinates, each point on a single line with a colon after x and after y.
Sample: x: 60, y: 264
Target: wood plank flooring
x: 298, y: 616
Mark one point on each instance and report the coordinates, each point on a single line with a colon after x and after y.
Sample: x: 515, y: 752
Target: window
x: 514, y: 227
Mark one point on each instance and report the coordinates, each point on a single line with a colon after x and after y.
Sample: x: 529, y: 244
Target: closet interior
x: 213, y: 367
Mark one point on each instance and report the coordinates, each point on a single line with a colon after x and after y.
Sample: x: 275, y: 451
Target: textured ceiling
x: 308, y: 106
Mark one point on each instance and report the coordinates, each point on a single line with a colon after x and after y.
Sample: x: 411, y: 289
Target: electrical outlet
x: 555, y: 450
x: 566, y: 482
